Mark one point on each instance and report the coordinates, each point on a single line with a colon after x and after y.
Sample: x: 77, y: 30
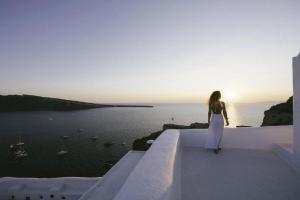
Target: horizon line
x: 173, y: 101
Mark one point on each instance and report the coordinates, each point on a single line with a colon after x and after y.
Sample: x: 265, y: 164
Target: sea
x: 43, y: 135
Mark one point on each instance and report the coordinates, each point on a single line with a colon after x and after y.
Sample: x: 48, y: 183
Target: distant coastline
x: 27, y: 103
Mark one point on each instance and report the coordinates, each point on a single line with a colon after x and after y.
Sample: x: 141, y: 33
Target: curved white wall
x: 157, y: 175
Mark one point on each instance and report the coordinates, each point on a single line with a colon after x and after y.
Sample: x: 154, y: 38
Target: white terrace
x: 255, y: 163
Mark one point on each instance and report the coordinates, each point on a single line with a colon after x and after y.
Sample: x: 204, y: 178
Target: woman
x: 215, y: 121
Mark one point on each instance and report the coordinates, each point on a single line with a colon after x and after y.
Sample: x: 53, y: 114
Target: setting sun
x: 231, y: 96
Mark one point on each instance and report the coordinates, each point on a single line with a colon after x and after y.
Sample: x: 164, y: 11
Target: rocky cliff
x: 280, y: 114
x: 141, y: 144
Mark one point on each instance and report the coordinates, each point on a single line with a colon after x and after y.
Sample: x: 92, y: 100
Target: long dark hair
x: 214, y: 97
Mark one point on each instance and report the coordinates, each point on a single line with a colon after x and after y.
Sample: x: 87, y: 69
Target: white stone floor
x: 237, y: 174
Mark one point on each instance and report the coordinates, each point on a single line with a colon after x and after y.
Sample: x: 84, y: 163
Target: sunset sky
x: 149, y: 51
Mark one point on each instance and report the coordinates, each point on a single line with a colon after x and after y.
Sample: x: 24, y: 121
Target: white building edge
x: 255, y: 163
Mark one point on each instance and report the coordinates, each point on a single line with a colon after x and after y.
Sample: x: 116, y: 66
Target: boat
x: 21, y: 153
x: 79, y: 130
x: 108, y: 144
x: 12, y: 147
x: 123, y: 143
x: 20, y: 143
x: 94, y: 138
x: 65, y: 137
x: 18, y: 149
x: 150, y: 142
x: 62, y: 152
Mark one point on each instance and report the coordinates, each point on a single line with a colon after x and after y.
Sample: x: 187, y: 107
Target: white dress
x: 215, y: 131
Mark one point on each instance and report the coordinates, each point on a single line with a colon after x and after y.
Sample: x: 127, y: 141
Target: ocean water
x: 42, y: 134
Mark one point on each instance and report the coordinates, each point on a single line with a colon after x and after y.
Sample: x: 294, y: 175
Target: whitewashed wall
x: 296, y: 83
x: 157, y: 175
x: 69, y: 188
x: 245, y: 138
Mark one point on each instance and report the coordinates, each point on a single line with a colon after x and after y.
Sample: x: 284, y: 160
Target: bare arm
x: 225, y: 114
x: 209, y: 114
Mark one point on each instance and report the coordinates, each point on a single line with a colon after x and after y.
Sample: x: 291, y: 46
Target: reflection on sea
x: 233, y: 116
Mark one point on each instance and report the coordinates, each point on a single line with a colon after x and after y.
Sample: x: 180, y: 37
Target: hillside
x: 14, y: 103
x: 280, y: 114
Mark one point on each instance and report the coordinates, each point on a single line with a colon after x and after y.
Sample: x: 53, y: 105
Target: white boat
x: 62, y: 152
x: 65, y: 137
x: 18, y: 149
x: 12, y: 147
x: 21, y: 154
x: 123, y: 143
x: 150, y: 141
x: 20, y: 143
x: 79, y: 130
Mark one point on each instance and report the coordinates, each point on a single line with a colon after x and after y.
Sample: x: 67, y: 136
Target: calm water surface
x: 42, y: 132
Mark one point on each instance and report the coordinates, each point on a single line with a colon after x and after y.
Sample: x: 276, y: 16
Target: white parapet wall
x: 70, y: 188
x: 296, y: 109
x: 262, y: 138
x: 157, y: 175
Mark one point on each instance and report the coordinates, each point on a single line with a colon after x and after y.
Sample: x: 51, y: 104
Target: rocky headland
x: 280, y: 114
x: 22, y: 103
x: 141, y: 143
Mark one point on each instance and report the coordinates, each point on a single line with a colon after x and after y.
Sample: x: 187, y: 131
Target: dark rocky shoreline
x: 27, y: 103
x: 280, y: 114
x: 141, y: 143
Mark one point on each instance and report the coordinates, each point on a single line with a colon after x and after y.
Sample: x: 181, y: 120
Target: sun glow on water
x: 232, y: 115
x: 231, y: 96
